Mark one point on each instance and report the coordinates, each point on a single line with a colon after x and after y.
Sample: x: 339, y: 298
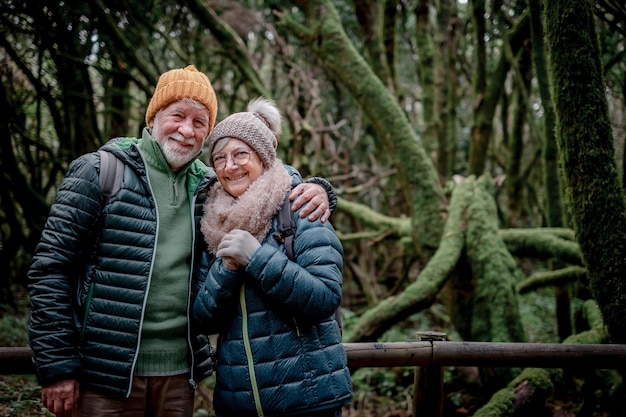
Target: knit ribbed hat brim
x: 258, y: 127
x: 183, y: 83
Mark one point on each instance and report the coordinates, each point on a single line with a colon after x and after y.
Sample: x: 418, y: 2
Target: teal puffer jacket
x: 279, y: 349
x: 90, y: 273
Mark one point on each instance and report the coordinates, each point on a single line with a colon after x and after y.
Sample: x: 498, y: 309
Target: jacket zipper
x: 174, y: 194
x: 248, y: 349
x: 87, y: 305
x: 295, y: 322
x: 192, y: 201
x: 145, y: 297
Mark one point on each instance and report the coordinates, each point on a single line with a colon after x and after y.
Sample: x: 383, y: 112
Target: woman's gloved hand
x: 238, y: 245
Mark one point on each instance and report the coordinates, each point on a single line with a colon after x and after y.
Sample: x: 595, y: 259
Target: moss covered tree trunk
x: 488, y: 87
x: 325, y: 36
x: 430, y: 79
x: 516, y: 174
x: 372, y: 18
x: 449, y: 28
x: 592, y: 184
x: 481, y: 125
x: 553, y: 182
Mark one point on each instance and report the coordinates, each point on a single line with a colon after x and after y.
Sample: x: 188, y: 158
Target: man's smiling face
x: 180, y: 128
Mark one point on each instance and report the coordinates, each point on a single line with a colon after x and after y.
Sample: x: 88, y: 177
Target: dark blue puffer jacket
x: 279, y: 350
x: 88, y: 280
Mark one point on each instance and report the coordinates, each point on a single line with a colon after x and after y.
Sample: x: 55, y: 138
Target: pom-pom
x: 268, y: 112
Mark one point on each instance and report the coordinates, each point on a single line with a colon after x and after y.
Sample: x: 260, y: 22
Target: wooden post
x: 428, y: 385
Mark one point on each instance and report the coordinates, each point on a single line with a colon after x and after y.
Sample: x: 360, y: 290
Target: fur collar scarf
x: 252, y: 211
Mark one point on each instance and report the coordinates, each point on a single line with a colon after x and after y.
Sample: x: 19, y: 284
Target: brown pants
x: 154, y: 396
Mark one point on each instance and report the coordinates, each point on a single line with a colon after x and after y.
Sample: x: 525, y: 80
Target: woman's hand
x: 238, y: 246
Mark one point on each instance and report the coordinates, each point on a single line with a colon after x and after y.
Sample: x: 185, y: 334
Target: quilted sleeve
x: 52, y: 277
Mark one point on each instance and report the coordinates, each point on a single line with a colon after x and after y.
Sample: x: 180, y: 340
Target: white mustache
x: 179, y: 137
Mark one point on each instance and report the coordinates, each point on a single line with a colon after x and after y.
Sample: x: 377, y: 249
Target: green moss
x: 496, y: 313
x: 501, y: 405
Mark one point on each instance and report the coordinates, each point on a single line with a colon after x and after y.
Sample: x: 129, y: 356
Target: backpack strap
x: 286, y: 233
x: 286, y: 228
x: 111, y: 175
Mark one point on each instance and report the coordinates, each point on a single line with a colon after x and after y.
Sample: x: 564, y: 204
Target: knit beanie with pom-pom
x: 259, y: 127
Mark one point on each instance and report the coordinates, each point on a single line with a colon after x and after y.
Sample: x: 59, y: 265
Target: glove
x: 238, y: 245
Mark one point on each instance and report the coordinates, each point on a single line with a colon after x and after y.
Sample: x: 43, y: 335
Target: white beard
x: 175, y: 156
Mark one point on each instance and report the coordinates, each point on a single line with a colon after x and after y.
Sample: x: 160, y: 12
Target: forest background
x: 477, y: 149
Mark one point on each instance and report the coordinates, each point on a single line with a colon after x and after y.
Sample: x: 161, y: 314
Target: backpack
x: 286, y: 234
x: 111, y: 175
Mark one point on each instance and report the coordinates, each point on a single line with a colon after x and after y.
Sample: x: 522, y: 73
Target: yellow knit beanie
x: 177, y: 84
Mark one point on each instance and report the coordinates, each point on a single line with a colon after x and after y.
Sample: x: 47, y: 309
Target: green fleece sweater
x: 164, y: 349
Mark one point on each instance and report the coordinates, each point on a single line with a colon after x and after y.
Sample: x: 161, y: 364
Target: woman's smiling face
x: 237, y: 166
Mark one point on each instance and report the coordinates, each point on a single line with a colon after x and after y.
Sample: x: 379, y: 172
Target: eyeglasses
x: 239, y: 157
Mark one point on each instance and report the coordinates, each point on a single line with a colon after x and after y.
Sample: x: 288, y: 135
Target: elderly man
x: 111, y: 284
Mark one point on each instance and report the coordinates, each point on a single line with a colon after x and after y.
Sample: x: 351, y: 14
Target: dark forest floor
x: 19, y: 397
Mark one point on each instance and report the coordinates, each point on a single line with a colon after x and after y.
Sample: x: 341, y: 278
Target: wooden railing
x: 430, y: 354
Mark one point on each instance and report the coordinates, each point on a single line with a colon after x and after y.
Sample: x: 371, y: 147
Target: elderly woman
x: 279, y: 349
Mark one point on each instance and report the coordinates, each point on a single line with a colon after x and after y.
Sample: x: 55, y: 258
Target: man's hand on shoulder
x: 316, y: 196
